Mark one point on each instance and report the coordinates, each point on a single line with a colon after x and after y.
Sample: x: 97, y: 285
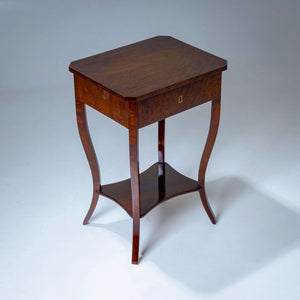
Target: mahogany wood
x: 151, y: 193
x: 90, y: 154
x: 212, y: 134
x: 167, y: 104
x: 98, y: 98
x: 151, y: 109
x: 138, y: 85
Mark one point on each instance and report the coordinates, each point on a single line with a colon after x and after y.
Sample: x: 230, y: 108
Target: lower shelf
x: 158, y: 183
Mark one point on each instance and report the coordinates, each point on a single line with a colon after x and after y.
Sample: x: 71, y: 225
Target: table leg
x: 90, y: 154
x: 212, y: 134
x: 161, y: 141
x: 135, y: 179
x: 161, y: 159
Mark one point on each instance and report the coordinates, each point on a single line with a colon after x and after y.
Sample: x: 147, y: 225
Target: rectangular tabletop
x: 147, y: 68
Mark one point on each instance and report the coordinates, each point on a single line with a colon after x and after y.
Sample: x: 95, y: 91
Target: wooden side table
x: 138, y: 85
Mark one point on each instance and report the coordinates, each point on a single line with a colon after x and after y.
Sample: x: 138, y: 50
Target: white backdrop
x: 253, y: 175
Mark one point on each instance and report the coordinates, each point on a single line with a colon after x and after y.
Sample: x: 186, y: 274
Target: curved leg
x: 212, y: 134
x: 135, y: 180
x: 90, y: 154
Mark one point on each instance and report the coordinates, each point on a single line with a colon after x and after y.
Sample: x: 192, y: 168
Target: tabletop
x: 148, y: 68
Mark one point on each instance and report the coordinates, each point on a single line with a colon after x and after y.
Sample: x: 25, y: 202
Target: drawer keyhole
x: 180, y: 99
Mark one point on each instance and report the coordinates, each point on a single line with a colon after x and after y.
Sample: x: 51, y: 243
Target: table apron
x: 177, y: 100
x: 152, y: 109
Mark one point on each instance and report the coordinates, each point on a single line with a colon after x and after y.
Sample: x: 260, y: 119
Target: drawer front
x: 180, y: 99
x: 98, y: 98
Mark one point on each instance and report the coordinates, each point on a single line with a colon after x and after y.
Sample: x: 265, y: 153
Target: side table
x: 137, y: 85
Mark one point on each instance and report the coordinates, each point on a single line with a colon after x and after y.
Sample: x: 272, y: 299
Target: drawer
x: 177, y: 100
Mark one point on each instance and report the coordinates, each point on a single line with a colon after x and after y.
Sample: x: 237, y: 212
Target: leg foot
x: 135, y: 241
x: 92, y: 208
x: 206, y: 206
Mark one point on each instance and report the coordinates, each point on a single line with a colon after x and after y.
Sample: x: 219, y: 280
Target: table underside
x: 155, y: 188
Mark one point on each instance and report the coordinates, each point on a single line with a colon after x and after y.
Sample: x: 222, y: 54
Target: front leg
x: 135, y: 179
x: 90, y: 154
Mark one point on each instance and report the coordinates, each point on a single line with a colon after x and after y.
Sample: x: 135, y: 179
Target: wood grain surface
x: 147, y: 68
x: 150, y: 192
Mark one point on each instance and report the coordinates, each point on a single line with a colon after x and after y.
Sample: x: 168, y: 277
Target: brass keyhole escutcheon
x: 180, y: 99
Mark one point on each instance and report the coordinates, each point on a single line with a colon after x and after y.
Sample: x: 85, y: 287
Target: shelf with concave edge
x: 154, y: 188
